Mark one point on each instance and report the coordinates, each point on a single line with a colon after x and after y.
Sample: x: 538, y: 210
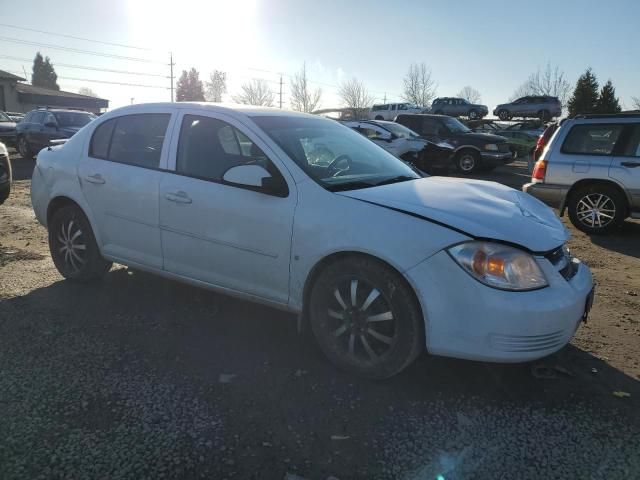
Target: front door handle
x: 95, y: 178
x: 178, y: 197
x: 630, y: 164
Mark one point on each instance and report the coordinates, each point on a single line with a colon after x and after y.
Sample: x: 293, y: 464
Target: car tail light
x: 539, y: 171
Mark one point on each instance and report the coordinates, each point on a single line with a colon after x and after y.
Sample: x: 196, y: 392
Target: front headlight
x: 492, y: 147
x: 499, y: 266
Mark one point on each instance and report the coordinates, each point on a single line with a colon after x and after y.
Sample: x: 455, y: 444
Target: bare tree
x: 419, y: 87
x: 470, y: 94
x: 354, y: 94
x: 257, y: 92
x: 216, y: 86
x: 87, y: 91
x: 551, y: 81
x: 303, y: 98
x: 636, y: 102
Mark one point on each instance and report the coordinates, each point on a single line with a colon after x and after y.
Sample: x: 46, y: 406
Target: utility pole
x: 280, y: 91
x: 25, y: 73
x: 171, y: 64
x: 385, y: 98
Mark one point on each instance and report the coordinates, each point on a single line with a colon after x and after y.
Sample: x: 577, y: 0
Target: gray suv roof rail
x: 609, y: 115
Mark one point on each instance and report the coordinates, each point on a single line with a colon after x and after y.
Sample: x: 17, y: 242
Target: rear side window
x: 592, y: 139
x: 131, y: 139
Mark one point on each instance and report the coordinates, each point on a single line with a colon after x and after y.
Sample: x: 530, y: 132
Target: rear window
x: 592, y: 139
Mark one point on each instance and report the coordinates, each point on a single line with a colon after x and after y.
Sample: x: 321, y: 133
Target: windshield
x: 4, y: 117
x: 335, y: 156
x: 73, y: 119
x: 400, y: 130
x: 455, y: 125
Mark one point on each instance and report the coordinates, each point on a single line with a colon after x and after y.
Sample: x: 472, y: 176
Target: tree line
x: 419, y: 88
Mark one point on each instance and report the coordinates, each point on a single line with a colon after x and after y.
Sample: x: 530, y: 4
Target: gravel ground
x: 138, y: 377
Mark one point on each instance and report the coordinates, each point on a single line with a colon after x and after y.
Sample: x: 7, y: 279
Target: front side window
x: 401, y: 131
x: 430, y: 126
x: 131, y: 139
x: 208, y: 147
x: 4, y: 117
x: 335, y: 156
x: 592, y: 139
x: 455, y: 126
x: 402, y: 106
x: 632, y: 149
x: 38, y: 117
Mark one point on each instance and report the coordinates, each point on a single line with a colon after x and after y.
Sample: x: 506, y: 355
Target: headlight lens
x: 499, y: 266
x: 492, y: 147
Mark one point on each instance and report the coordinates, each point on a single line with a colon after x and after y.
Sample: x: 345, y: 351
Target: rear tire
x: 597, y: 209
x: 473, y: 115
x: 366, y: 318
x: 379, y: 117
x: 468, y: 162
x: 544, y: 115
x: 73, y: 246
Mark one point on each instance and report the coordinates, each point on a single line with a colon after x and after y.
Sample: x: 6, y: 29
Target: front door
x: 228, y: 236
x: 626, y: 166
x: 120, y: 177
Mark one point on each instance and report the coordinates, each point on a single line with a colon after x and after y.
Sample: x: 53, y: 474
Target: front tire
x: 504, y: 115
x: 366, y: 318
x: 24, y: 148
x: 73, y: 246
x: 597, y: 209
x: 468, y: 162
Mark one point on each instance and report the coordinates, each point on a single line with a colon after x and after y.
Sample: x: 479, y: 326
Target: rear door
x: 32, y: 130
x: 120, y: 178
x: 625, y: 167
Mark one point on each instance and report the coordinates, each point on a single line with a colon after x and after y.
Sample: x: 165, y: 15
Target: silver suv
x: 591, y: 168
x: 534, y: 106
x: 458, y: 107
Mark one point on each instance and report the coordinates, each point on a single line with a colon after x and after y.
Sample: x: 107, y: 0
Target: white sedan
x: 304, y: 214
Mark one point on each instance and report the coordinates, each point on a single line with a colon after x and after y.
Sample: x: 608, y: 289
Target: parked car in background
x: 7, y: 130
x: 521, y: 144
x: 40, y: 126
x: 363, y: 248
x: 458, y: 107
x: 543, y: 107
x: 532, y: 127
x: 473, y: 151
x: 406, y: 144
x: 389, y: 111
x: 5, y: 173
x: 15, y: 116
x: 591, y: 168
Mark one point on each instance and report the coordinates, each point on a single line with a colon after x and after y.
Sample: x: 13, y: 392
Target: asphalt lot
x: 139, y: 377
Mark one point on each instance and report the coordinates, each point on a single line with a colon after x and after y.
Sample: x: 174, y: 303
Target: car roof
x: 58, y: 110
x: 231, y: 109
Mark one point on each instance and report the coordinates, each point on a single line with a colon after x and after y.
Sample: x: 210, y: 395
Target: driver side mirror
x: 256, y: 177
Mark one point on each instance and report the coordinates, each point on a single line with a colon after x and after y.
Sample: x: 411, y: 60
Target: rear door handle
x: 178, y: 197
x: 630, y: 164
x: 95, y: 178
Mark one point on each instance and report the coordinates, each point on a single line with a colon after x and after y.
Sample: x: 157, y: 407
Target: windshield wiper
x: 398, y: 179
x: 353, y: 185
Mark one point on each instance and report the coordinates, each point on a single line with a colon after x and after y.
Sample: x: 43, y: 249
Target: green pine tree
x: 43, y: 74
x: 585, y: 95
x: 190, y: 88
x: 607, y: 101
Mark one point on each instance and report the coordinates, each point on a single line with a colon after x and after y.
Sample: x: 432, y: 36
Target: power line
x: 73, y: 37
x: 101, y: 81
x: 87, y: 68
x: 77, y: 50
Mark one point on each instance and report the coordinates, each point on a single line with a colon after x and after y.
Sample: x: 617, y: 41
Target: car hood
x: 477, y: 208
x: 482, y: 137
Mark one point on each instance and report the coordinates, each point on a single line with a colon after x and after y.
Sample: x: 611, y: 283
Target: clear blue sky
x: 492, y: 45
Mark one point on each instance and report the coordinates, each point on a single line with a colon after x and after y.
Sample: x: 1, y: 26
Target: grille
x: 562, y: 260
x: 528, y: 343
